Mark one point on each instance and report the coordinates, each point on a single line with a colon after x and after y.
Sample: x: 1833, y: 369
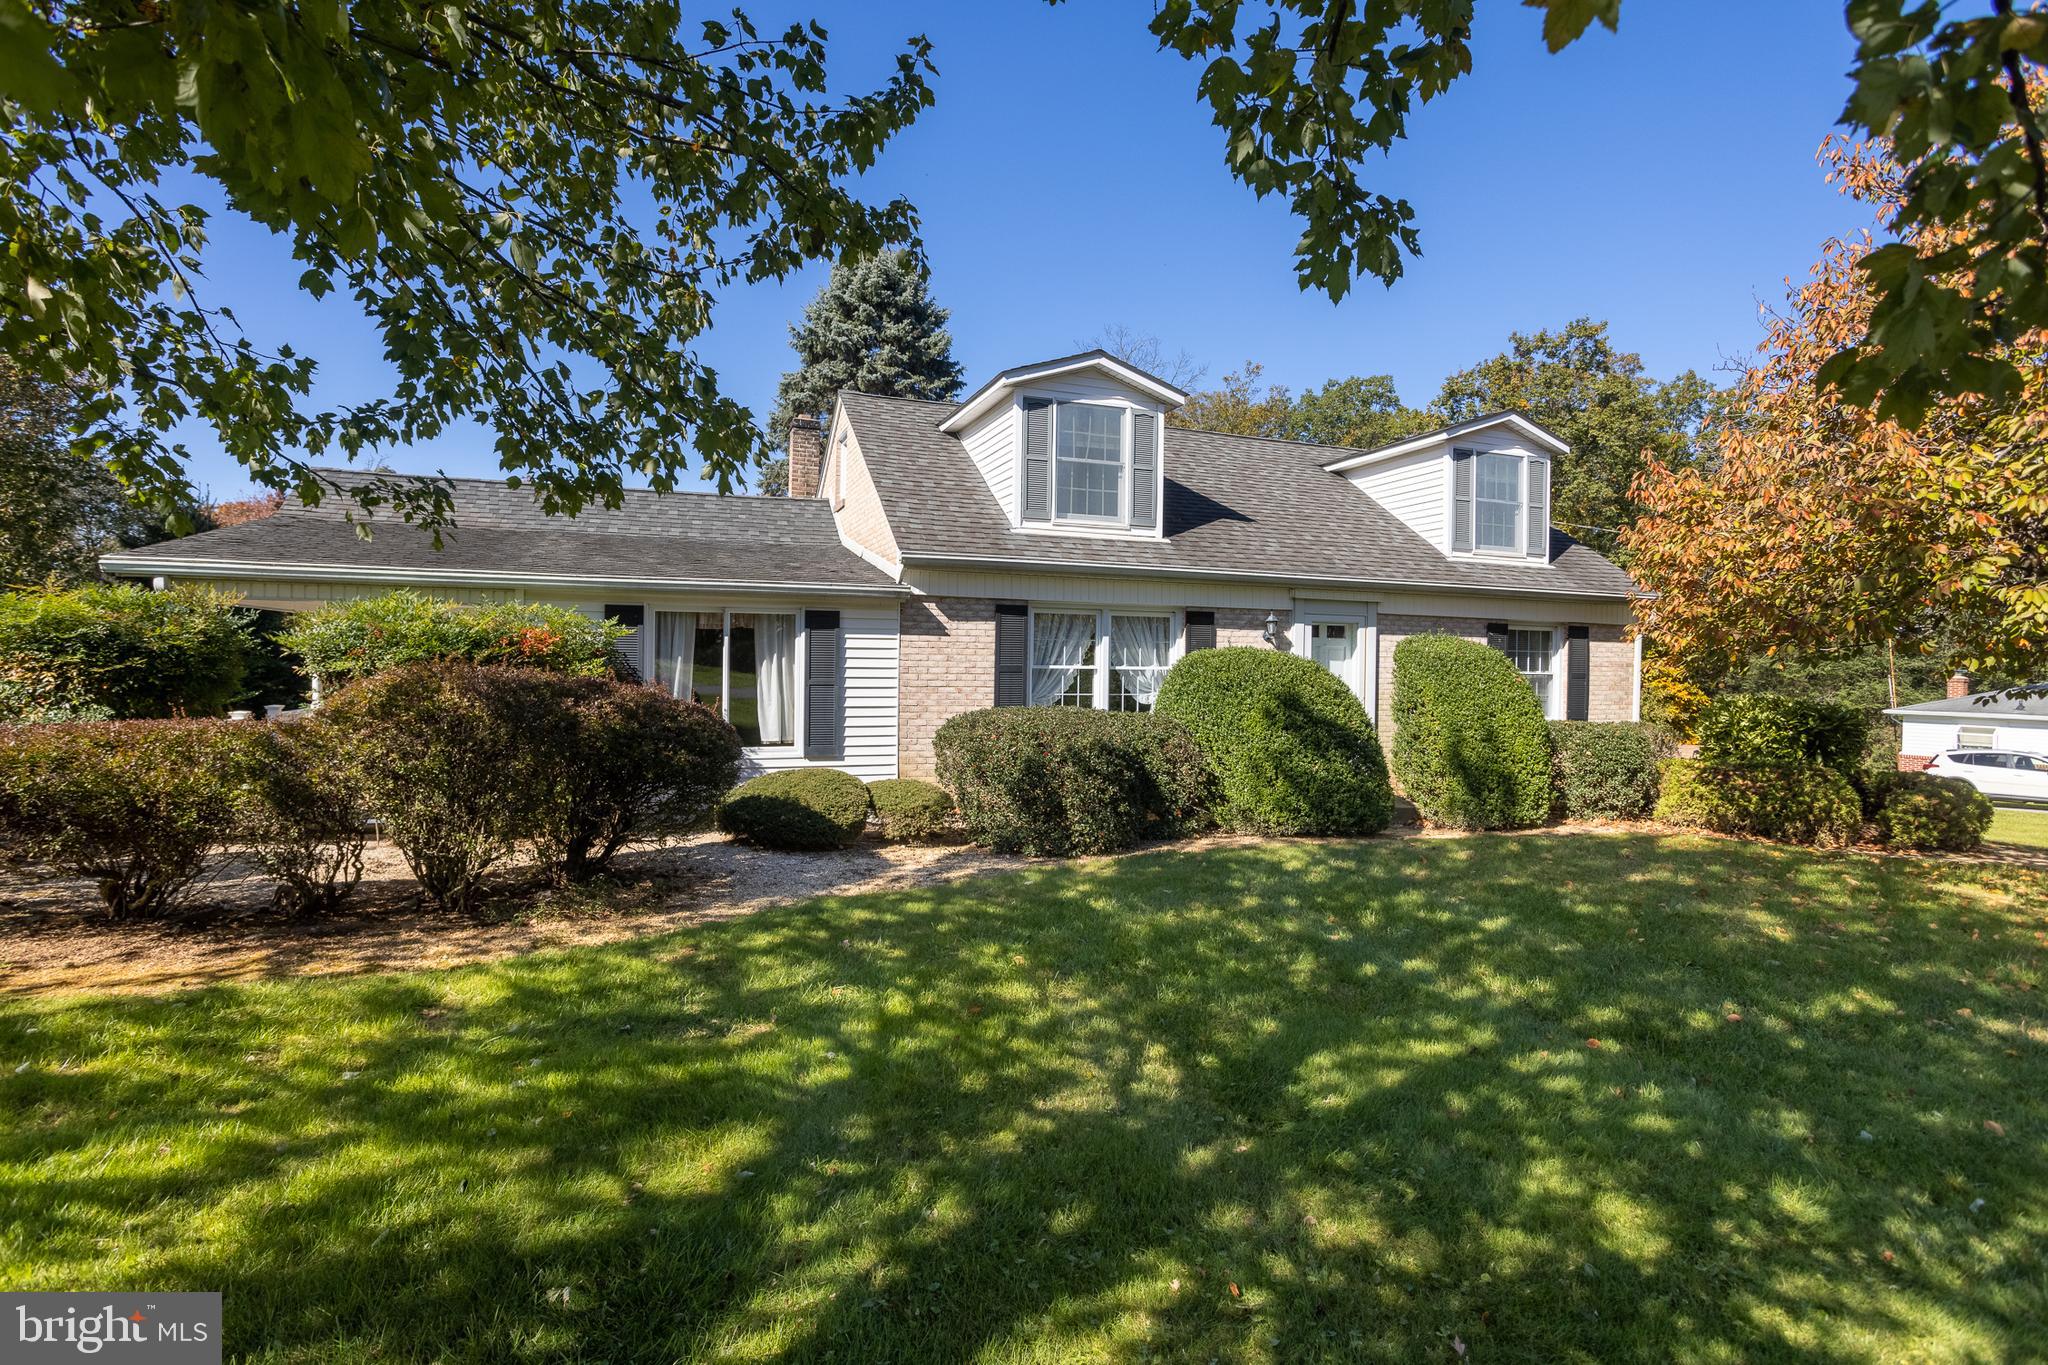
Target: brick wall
x: 949, y: 666
x: 1244, y: 626
x: 1914, y: 763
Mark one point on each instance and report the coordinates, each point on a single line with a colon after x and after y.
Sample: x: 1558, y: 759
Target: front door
x: 1335, y: 646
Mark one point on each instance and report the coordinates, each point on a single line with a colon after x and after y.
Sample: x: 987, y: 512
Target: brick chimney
x: 806, y: 456
x: 1958, y: 685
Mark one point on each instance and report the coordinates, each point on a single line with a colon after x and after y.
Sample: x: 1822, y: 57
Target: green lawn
x: 1336, y: 1101
x: 2028, y: 828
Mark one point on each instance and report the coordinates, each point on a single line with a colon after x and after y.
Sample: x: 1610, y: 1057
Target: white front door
x: 1336, y: 645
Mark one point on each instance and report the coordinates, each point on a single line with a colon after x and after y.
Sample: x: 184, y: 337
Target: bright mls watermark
x: 165, y: 1329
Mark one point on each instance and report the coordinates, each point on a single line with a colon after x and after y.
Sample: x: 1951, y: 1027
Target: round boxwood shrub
x: 1604, y: 771
x: 1471, y: 747
x: 1804, y: 804
x: 136, y: 806
x: 1292, y: 750
x: 1751, y: 731
x: 911, y: 811
x: 800, y: 808
x: 1054, y: 781
x: 1923, y: 811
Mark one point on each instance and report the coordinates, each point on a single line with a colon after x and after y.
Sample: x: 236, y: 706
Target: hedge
x: 911, y: 811
x: 1808, y: 803
x: 1055, y: 781
x: 451, y: 758
x: 1605, y: 771
x: 120, y: 651
x: 136, y: 806
x: 354, y: 639
x: 300, y: 812
x: 1925, y: 811
x: 632, y: 761
x: 1471, y: 746
x: 1292, y: 750
x: 1742, y: 730
x: 799, y: 808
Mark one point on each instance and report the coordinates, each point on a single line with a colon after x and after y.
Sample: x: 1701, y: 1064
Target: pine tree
x: 873, y: 328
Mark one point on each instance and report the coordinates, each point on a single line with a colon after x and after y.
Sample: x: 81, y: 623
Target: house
x: 1050, y: 540
x: 2015, y: 720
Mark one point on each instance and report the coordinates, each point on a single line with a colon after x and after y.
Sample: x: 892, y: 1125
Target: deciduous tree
x: 534, y: 202
x: 1823, y: 524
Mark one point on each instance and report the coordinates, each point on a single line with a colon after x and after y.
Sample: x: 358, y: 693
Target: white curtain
x: 1059, y: 649
x: 675, y: 663
x: 775, y: 662
x: 1138, y: 650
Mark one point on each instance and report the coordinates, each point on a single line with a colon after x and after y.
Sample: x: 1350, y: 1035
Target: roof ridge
x: 500, y: 486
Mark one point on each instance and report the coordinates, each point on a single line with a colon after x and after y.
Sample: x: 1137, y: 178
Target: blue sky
x: 1661, y: 178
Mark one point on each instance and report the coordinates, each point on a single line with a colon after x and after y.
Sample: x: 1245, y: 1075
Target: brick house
x: 1051, y: 540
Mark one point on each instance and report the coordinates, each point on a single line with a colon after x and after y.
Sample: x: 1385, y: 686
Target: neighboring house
x: 2015, y: 720
x: 1049, y: 541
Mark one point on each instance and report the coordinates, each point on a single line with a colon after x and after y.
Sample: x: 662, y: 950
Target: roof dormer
x: 1479, y: 488
x: 1072, y: 446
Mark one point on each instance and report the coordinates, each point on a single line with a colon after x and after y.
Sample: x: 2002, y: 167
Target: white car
x: 1996, y: 772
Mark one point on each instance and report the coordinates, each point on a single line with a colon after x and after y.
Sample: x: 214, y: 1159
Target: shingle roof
x: 500, y: 532
x: 2030, y: 702
x: 1235, y: 505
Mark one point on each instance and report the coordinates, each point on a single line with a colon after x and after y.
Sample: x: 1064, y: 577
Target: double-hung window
x: 1533, y: 655
x: 1088, y: 462
x: 1497, y: 502
x: 1068, y: 650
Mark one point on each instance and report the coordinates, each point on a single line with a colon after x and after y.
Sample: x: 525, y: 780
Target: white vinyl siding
x: 1926, y: 738
x: 1412, y: 488
x: 993, y: 444
x: 871, y: 636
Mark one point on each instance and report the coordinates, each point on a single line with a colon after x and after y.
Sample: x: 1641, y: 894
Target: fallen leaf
x: 1592, y: 1042
x: 1234, y: 1290
x: 1458, y: 1345
x: 1995, y: 1127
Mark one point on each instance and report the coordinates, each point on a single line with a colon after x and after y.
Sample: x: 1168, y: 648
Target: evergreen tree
x: 873, y: 328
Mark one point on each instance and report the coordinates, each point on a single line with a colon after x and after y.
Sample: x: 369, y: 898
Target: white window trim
x: 1118, y: 527
x: 1123, y: 478
x: 1990, y: 733
x: 1523, y: 530
x: 1176, y: 642
x: 644, y: 645
x: 1554, y: 704
x: 1362, y: 617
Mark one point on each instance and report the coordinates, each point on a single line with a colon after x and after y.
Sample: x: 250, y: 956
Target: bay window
x: 1088, y: 462
x: 742, y: 664
x: 1069, y: 649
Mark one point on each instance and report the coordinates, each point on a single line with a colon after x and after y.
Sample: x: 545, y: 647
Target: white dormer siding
x: 1454, y: 488
x: 1073, y: 446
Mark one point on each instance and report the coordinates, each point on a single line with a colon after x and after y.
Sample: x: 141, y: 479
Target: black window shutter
x: 1144, y: 471
x: 1201, y: 633
x: 1497, y: 636
x: 1461, y: 499
x: 1013, y: 628
x: 626, y: 653
x: 824, y: 685
x: 1037, y: 460
x: 1578, y: 673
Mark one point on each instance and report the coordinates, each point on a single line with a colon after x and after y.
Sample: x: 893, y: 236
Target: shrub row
x: 458, y: 763
x: 120, y: 651
x: 1471, y: 747
x: 1056, y: 781
x: 357, y: 638
x: 1605, y: 770
x: 1806, y: 803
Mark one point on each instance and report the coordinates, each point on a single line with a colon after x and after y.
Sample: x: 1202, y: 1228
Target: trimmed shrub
x: 134, y: 805
x: 1923, y: 811
x: 911, y: 811
x: 1055, y: 781
x: 1806, y: 804
x: 355, y: 639
x: 299, y: 808
x: 800, y: 808
x: 1292, y: 750
x: 119, y: 650
x: 1750, y: 731
x: 1605, y: 771
x: 453, y: 759
x: 1471, y: 746
x: 633, y: 760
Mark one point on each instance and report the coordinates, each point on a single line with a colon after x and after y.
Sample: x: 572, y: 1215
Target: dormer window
x: 1497, y: 500
x: 1088, y: 462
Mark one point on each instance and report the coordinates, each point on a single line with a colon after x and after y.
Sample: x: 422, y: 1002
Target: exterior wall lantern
x: 1270, y: 632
